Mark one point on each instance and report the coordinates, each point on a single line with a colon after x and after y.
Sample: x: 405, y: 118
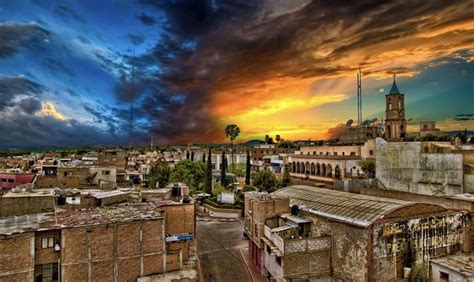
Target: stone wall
x: 16, y: 260
x: 403, y: 167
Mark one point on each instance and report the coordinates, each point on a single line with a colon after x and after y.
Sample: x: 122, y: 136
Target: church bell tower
x: 395, y: 123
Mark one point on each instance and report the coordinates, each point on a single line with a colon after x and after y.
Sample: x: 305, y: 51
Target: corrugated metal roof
x: 351, y: 208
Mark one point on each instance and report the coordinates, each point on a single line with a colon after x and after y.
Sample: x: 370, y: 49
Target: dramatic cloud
x: 14, y: 36
x: 179, y: 71
x: 247, y: 62
x: 11, y: 87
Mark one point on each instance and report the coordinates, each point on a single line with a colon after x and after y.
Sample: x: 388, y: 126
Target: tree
x: 208, y: 184
x: 223, y: 167
x: 285, y: 179
x: 368, y: 167
x: 187, y: 155
x: 204, y: 157
x: 287, y: 144
x: 159, y: 173
x: 191, y: 173
x: 232, y: 131
x: 192, y: 156
x: 247, y: 169
x: 277, y: 138
x: 265, y: 180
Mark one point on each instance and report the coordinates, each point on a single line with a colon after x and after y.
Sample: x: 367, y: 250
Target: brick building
x: 258, y: 208
x: 376, y: 238
x: 115, y: 158
x: 119, y: 243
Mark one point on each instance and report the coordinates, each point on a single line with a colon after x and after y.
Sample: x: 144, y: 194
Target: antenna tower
x: 359, y: 98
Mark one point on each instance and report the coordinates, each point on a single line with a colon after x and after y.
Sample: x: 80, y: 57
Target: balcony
x: 285, y: 240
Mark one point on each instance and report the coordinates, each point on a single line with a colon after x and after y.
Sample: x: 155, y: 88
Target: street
x: 218, y: 245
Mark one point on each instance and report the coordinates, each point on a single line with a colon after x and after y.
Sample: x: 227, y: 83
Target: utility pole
x: 131, y: 116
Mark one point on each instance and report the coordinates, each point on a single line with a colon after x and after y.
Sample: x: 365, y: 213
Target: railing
x: 307, y: 244
x: 277, y: 240
x: 288, y: 246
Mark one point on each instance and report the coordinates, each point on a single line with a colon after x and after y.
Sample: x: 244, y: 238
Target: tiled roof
x: 356, y: 209
x: 394, y: 89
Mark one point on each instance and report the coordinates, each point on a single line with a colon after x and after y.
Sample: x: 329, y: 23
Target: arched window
x: 389, y: 106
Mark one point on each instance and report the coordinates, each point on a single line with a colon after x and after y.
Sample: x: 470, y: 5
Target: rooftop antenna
x: 359, y: 97
x: 132, y: 81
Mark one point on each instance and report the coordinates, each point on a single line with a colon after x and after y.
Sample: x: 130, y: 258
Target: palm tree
x: 232, y: 131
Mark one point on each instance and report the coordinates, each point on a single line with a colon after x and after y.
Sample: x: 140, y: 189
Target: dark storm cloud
x: 14, y: 36
x: 146, y: 19
x: 213, y: 46
x: 29, y: 105
x: 11, y: 87
x: 26, y: 130
x: 19, y: 104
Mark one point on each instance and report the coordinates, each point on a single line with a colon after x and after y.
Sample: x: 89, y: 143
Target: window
x: 4, y: 180
x: 11, y: 180
x: 47, y: 272
x: 443, y: 276
x: 371, y: 152
x: 389, y: 106
x: 47, y: 242
x: 105, y: 172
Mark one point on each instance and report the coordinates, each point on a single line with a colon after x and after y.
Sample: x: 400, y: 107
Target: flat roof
x: 82, y: 217
x: 106, y: 194
x: 294, y: 218
x: 460, y: 263
x: 356, y: 209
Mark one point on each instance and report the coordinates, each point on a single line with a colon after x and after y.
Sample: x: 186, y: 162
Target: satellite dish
x: 349, y: 122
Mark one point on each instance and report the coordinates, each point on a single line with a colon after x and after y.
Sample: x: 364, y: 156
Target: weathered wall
x: 413, y: 242
x: 10, y: 206
x: 349, y: 254
x: 258, y: 210
x: 125, y: 251
x: 16, y: 257
x: 312, y: 264
x: 469, y: 183
x: 403, y: 167
x: 46, y: 255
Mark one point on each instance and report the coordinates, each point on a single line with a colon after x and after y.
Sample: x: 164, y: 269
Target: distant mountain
x: 253, y: 142
x: 454, y: 132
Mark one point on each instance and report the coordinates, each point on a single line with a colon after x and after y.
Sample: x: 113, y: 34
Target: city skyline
x: 285, y: 67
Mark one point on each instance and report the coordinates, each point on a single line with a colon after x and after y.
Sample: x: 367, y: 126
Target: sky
x: 70, y: 71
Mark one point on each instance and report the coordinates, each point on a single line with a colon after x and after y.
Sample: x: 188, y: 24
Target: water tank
x: 176, y: 191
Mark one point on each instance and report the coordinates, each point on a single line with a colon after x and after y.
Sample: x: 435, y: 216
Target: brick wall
x: 16, y: 261
x: 124, y: 251
x: 258, y: 210
x: 46, y: 255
